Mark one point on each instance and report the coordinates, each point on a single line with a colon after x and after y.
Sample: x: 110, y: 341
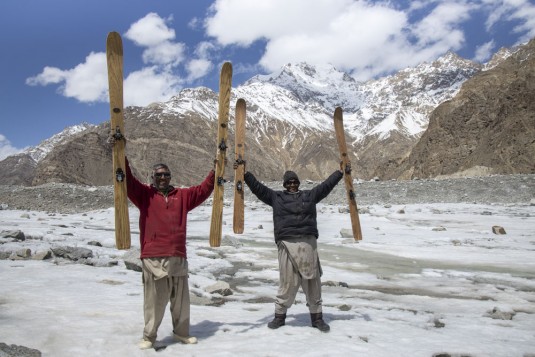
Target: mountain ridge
x: 289, y: 125
x: 488, y: 128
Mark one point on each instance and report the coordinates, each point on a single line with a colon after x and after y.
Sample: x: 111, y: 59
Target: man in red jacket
x: 162, y: 231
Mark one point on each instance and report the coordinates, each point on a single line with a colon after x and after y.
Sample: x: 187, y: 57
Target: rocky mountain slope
x: 488, y: 128
x: 289, y: 125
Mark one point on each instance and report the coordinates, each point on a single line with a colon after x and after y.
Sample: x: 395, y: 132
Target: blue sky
x: 53, y: 65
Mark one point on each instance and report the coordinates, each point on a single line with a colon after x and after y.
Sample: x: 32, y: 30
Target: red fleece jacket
x: 162, y: 220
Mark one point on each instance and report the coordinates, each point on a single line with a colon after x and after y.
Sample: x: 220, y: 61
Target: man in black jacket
x: 296, y: 233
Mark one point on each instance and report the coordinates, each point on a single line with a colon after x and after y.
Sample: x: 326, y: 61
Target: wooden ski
x: 340, y: 137
x: 239, y: 153
x: 114, y: 55
x: 225, y: 84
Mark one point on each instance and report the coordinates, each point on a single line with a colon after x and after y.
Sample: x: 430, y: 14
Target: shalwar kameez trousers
x: 299, y: 266
x: 165, y: 280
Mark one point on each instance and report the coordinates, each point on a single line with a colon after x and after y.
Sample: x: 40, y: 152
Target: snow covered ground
x: 426, y: 280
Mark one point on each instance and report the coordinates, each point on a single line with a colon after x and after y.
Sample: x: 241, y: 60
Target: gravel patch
x: 499, y: 189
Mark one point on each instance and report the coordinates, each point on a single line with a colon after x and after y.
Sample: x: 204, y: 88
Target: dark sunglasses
x: 292, y: 182
x: 162, y: 174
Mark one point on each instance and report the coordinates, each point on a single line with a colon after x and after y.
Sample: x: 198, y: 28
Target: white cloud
x: 165, y: 53
x: 204, y: 49
x: 442, y: 27
x: 6, y: 149
x: 159, y: 81
x: 150, y: 85
x: 243, y: 22
x: 150, y: 31
x: 342, y: 43
x: 484, y: 52
x: 367, y: 38
x: 87, y: 82
x: 194, y: 23
x: 524, y: 11
x: 48, y: 76
x: 153, y: 32
x: 198, y: 68
x: 361, y: 37
x: 240, y: 68
x: 202, y: 65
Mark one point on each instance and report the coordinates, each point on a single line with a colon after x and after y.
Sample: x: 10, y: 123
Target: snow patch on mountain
x: 499, y: 57
x: 305, y: 96
x: 323, y: 84
x: 39, y: 152
x: 403, y: 102
x: 271, y: 101
x: 201, y: 100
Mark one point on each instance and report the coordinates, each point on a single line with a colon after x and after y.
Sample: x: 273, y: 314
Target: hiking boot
x: 189, y: 340
x: 278, y: 321
x: 317, y: 322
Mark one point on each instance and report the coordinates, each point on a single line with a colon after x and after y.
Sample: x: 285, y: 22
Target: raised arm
x: 264, y: 193
x: 323, y: 189
x: 134, y: 187
x: 198, y: 194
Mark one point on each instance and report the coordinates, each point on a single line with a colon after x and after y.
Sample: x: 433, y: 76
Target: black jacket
x: 294, y: 214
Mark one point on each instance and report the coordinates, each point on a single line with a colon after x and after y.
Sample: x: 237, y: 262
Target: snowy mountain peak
x: 201, y: 101
x: 317, y: 75
x: 199, y: 93
x: 452, y: 59
x: 397, y: 103
x: 37, y: 153
x: 499, y: 57
x: 314, y: 85
x: 304, y: 74
x: 402, y: 102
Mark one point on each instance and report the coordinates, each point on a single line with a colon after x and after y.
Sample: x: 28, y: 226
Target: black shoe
x: 278, y: 321
x: 317, y: 322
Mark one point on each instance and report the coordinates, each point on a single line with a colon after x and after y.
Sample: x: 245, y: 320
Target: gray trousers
x: 157, y: 293
x: 290, y: 279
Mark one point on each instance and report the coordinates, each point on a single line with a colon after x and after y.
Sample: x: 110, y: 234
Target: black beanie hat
x: 289, y: 175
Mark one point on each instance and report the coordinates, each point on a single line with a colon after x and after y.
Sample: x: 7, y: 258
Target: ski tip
x: 114, y: 42
x: 240, y: 102
x: 114, y: 35
x: 227, y: 67
x: 338, y: 113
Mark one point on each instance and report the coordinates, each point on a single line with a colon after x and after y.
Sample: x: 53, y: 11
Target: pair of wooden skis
x: 225, y: 85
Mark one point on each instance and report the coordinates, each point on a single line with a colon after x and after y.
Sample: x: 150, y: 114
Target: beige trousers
x: 290, y: 267
x: 157, y: 292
